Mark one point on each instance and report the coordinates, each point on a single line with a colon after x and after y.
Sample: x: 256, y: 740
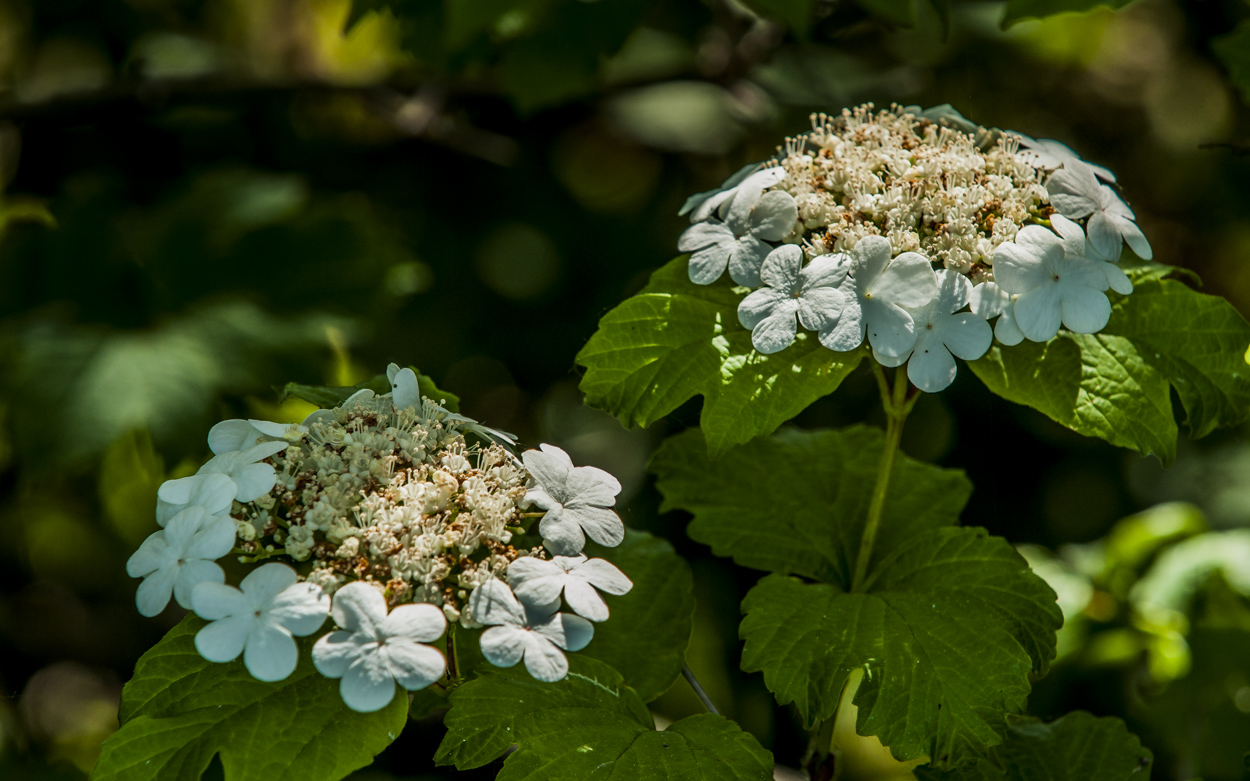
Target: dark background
x: 205, y: 200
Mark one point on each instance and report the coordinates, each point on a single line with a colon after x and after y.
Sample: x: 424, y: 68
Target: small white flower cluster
x: 842, y: 231
x: 392, y: 523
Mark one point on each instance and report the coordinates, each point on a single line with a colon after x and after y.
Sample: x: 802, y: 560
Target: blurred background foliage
x: 205, y: 200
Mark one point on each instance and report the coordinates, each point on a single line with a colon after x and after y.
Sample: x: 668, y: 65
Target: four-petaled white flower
x: 536, y: 634
x: 260, y: 620
x: 246, y: 469
x: 1077, y: 245
x: 180, y: 557
x: 1049, y: 154
x: 755, y: 217
x: 577, y: 500
x: 989, y: 301
x: 809, y: 294
x: 749, y: 177
x: 877, y: 291
x: 942, y: 334
x: 213, y: 492
x: 1050, y: 286
x: 538, y: 583
x: 1076, y: 193
x: 230, y: 436
x: 374, y: 651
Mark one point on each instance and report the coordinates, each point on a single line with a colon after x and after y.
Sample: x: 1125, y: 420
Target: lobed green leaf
x: 180, y: 710
x: 676, y: 340
x: 1116, y: 384
x: 586, y: 727
x: 1077, y: 747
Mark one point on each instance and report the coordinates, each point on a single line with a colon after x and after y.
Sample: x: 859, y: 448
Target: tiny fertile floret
x: 844, y: 232
x: 387, y: 513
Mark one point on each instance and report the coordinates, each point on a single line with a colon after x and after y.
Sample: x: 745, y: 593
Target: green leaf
x: 899, y: 12
x: 327, y: 397
x: 586, y: 727
x: 676, y: 340
x: 1115, y: 384
x: 646, y: 636
x: 950, y: 623
x: 1077, y: 747
x: 131, y: 471
x: 180, y: 710
x: 1018, y: 10
x: 797, y: 14
x: 1234, y: 51
x: 816, y: 495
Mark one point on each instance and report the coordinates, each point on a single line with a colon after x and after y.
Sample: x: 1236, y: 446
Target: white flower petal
x: 364, y: 394
x: 270, y: 653
x: 1073, y: 191
x: 1117, y: 280
x: 1084, y: 310
x: 334, y: 653
x: 277, y: 430
x: 301, y: 609
x: 229, y: 436
x: 988, y: 300
x: 584, y: 600
x: 932, y: 368
x: 413, y: 665
x: 494, y: 603
x: 254, y: 481
x: 758, y: 305
x: 825, y: 271
x: 745, y: 260
x: 404, y: 389
x: 418, y: 622
x: 153, y: 554
x: 891, y: 361
x: 570, y: 632
x: 266, y: 582
x: 213, y: 540
x: 359, y: 607
x: 590, y: 485
x: 550, y: 467
x: 777, y: 331
x: 908, y: 281
x: 154, y: 591
x: 782, y: 268
x: 869, y: 259
x: 367, y: 685
x: 1023, y: 264
x: 600, y: 524
x: 213, y: 601
x: 561, y: 533
x: 543, y: 660
x: 1037, y: 312
x: 891, y: 330
x: 967, y: 335
x: 774, y: 216
x: 1104, y: 235
x: 819, y: 307
x: 847, y: 332
x: 503, y: 646
x: 1135, y: 238
x: 1006, y: 330
x: 223, y: 640
x: 706, y: 265
x: 192, y: 573
x: 1073, y: 235
x: 604, y: 575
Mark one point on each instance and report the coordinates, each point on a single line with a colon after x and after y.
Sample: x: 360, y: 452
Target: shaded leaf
x: 1234, y: 51
x: 797, y: 14
x: 180, y: 710
x: 588, y: 726
x: 1018, y: 10
x: 676, y: 340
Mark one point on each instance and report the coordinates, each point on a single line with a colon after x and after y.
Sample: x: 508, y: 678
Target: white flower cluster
x: 384, y: 517
x: 887, y: 224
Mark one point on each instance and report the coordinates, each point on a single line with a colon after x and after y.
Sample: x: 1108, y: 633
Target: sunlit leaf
x: 1018, y: 10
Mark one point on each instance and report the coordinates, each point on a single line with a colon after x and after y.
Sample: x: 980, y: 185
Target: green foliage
x: 1234, y: 51
x: 676, y: 340
x: 797, y: 14
x: 1018, y: 10
x: 589, y: 726
x: 179, y: 710
x: 327, y: 397
x: 646, y: 636
x: 130, y: 473
x: 1116, y: 384
x: 815, y: 493
x: 900, y: 12
x: 1077, y: 747
x: 950, y: 622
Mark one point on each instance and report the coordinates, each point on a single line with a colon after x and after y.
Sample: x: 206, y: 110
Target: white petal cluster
x: 844, y: 231
x: 399, y: 521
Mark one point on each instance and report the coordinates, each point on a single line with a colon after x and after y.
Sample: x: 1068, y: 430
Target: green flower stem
x: 897, y: 405
x: 698, y: 690
x: 454, y: 678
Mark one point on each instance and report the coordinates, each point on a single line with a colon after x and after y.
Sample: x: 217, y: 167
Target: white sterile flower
x: 404, y: 391
x: 749, y: 177
x: 877, y: 291
x: 1050, y: 287
x: 538, y: 583
x: 739, y: 243
x: 1076, y: 193
x: 941, y: 334
x: 536, y: 634
x: 577, y: 501
x: 212, y: 492
x: 989, y: 301
x: 230, y: 436
x: 180, y: 557
x: 1076, y: 245
x: 809, y: 294
x: 1049, y: 154
x: 260, y: 619
x: 374, y: 650
x: 246, y: 468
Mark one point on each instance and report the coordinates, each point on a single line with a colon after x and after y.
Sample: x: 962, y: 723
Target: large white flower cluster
x: 380, y: 514
x: 913, y: 229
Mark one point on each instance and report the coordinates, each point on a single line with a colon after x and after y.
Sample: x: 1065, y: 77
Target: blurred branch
x: 422, y: 114
x: 1239, y: 148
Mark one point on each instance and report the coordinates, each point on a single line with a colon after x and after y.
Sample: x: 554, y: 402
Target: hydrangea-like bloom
x: 716, y: 202
x: 988, y: 300
x: 809, y: 294
x: 942, y: 332
x: 1076, y: 193
x: 230, y: 436
x: 212, y: 492
x: 1077, y: 245
x: 180, y: 557
x: 739, y: 242
x: 260, y: 620
x: 1050, y: 155
x: 538, y: 583
x: 245, y: 468
x: 884, y: 290
x: 373, y: 651
x: 1051, y: 287
x: 535, y: 634
x: 577, y: 501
